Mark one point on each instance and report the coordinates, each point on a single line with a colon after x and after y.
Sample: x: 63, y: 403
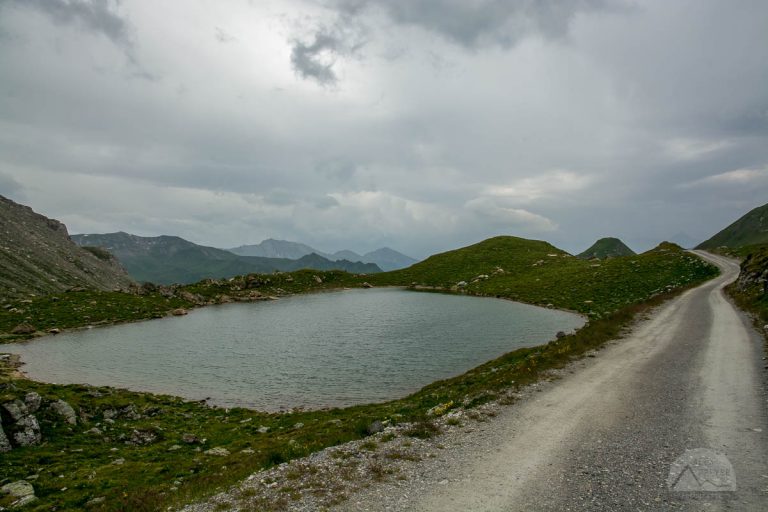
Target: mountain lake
x: 319, y: 350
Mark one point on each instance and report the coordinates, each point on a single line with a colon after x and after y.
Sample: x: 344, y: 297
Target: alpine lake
x: 311, y: 351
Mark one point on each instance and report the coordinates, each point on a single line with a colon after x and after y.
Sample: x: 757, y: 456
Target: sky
x: 419, y: 125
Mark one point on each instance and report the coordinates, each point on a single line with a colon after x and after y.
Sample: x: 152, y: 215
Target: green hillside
x: 750, y: 229
x: 83, y: 463
x: 606, y: 248
x: 539, y: 273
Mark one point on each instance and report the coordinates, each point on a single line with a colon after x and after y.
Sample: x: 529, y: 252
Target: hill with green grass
x: 170, y: 259
x: 751, y: 229
x: 158, y: 438
x: 606, y: 248
x: 536, y: 272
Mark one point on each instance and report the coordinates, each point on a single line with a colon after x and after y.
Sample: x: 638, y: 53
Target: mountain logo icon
x: 701, y: 469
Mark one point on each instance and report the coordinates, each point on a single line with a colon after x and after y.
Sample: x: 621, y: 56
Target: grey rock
x: 24, y: 329
x: 143, y: 437
x: 33, y: 400
x: 27, y: 431
x: 110, y: 414
x: 129, y: 412
x: 64, y: 410
x: 21, y: 490
x: 5, y: 444
x: 560, y: 334
x: 375, y: 427
x: 190, y: 438
x: 217, y: 451
x: 262, y: 429
x: 16, y: 409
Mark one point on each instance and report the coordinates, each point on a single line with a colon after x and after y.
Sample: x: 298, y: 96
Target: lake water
x: 326, y: 349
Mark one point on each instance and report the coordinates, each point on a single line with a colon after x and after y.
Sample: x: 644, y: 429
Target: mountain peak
x: 608, y: 247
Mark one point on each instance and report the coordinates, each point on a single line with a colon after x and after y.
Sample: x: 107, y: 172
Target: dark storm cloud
x: 315, y: 60
x: 316, y: 57
x: 475, y: 23
x: 96, y: 15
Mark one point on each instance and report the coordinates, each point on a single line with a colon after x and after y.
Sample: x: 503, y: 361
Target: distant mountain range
x: 606, y: 248
x: 751, y: 229
x: 386, y: 258
x: 37, y: 256
x: 170, y: 259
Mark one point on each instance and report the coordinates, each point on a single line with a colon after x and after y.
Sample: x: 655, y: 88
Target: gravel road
x: 606, y: 435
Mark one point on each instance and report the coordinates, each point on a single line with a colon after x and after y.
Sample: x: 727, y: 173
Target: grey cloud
x: 316, y: 59
x: 95, y: 15
x: 223, y: 36
x: 473, y: 24
x: 308, y: 62
x: 9, y: 187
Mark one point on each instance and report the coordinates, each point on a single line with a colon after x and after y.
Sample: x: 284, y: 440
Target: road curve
x: 605, y: 437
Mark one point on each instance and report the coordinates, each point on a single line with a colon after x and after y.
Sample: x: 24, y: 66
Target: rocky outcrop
x: 37, y: 256
x: 754, y: 272
x: 19, y: 425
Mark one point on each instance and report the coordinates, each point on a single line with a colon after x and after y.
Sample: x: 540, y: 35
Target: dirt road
x: 605, y: 437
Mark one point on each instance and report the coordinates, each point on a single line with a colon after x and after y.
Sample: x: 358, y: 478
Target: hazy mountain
x: 345, y: 254
x: 750, y: 229
x: 385, y: 258
x: 170, y: 259
x: 37, y: 256
x: 388, y: 259
x: 272, y: 248
x: 606, y: 248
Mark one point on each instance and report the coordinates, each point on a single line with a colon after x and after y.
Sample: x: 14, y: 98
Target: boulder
x: 21, y: 490
x: 32, y: 400
x: 16, y: 409
x: 5, y: 444
x: 190, y: 439
x: 179, y: 312
x: 64, y: 410
x: 560, y: 334
x: 24, y: 329
x: 27, y: 431
x: 367, y: 285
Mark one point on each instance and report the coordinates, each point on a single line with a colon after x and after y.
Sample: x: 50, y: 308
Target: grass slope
x: 751, y: 229
x: 539, y: 273
x: 606, y: 248
x: 168, y: 471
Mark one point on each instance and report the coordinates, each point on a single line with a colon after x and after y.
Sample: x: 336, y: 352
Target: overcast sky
x: 420, y: 125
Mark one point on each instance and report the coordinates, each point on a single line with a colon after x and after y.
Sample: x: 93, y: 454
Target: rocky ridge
x: 37, y: 256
